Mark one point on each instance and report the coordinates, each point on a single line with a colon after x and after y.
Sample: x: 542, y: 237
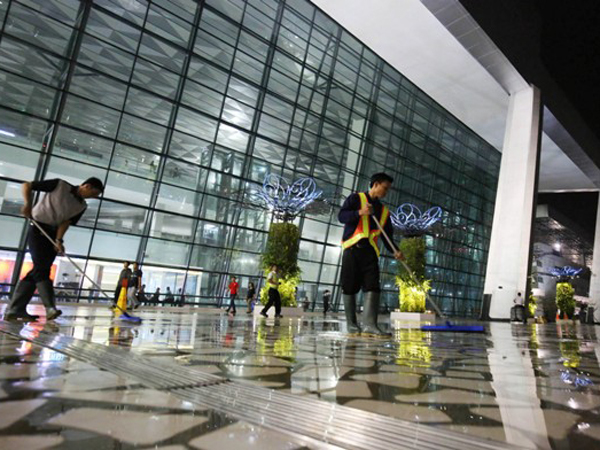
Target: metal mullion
x: 3, y: 24
x: 168, y: 137
x: 262, y: 92
x: 115, y: 140
x: 52, y: 121
x: 327, y: 96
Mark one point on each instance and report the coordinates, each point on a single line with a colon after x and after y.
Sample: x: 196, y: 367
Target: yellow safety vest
x: 363, y: 229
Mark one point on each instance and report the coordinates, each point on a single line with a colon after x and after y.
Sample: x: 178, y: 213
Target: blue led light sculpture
x: 286, y: 200
x: 409, y: 219
x: 565, y: 272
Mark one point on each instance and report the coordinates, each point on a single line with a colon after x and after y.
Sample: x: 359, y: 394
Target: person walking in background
x: 169, y: 298
x: 326, y: 300
x: 274, y: 297
x: 181, y: 297
x: 250, y: 297
x: 133, y: 286
x: 233, y: 292
x: 61, y: 206
x: 122, y: 282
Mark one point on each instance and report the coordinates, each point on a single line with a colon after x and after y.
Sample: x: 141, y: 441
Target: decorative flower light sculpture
x: 565, y: 272
x: 409, y: 219
x: 286, y: 200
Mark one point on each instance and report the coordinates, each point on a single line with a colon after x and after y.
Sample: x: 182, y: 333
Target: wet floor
x: 536, y: 386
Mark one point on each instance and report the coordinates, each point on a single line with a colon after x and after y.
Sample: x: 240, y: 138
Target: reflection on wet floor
x: 536, y: 386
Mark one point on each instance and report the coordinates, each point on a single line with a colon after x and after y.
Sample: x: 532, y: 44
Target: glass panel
x: 166, y: 252
x: 120, y: 186
x: 121, y: 218
x: 25, y: 95
x: 172, y: 227
x: 177, y: 200
x: 11, y: 229
x: 21, y: 130
x: 142, y: 133
x: 134, y: 161
x: 32, y: 27
x: 115, y: 246
x: 83, y: 147
x: 90, y: 116
x: 17, y: 163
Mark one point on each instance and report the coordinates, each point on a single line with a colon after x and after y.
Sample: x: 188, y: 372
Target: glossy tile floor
x: 535, y: 386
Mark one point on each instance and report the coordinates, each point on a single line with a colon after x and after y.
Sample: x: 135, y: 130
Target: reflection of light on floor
x: 414, y: 348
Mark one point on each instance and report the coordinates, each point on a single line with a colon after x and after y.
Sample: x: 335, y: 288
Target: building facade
x: 183, y: 106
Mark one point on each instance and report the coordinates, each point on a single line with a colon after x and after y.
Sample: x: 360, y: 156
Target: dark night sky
x: 570, y: 50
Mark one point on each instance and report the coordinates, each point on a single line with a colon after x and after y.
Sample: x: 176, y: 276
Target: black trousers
x: 360, y: 269
x: 274, y: 299
x: 42, y: 253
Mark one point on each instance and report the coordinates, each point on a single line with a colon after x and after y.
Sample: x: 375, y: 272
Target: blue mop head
x: 455, y: 328
x: 127, y: 318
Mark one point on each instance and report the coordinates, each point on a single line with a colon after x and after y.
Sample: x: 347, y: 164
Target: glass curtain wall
x: 181, y: 106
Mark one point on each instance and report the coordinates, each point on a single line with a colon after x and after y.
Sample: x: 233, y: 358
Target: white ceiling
x: 409, y: 37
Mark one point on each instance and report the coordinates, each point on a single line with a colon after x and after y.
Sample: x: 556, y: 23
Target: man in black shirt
x: 360, y: 260
x: 122, y: 282
x: 61, y: 206
x: 134, y: 285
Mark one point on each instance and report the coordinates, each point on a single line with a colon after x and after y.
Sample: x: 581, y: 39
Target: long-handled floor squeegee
x: 448, y: 326
x: 124, y: 315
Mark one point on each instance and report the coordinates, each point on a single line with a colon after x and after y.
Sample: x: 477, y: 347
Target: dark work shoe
x: 52, y: 313
x: 279, y: 316
x: 20, y: 316
x: 264, y: 314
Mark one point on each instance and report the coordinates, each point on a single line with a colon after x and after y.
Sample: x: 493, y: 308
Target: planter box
x: 409, y: 316
x: 286, y: 311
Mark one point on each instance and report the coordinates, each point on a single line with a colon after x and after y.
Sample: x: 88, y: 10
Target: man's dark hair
x: 95, y: 183
x: 380, y: 178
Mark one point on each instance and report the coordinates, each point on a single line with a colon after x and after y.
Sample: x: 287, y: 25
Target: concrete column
x: 509, y: 253
x: 595, y: 279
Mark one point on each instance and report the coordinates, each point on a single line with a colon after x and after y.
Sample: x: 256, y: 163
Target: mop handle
x: 408, y: 269
x: 79, y: 269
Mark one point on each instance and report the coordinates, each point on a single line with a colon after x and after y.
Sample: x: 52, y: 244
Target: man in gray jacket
x: 62, y: 206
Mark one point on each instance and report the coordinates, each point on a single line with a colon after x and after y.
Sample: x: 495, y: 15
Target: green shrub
x: 413, y: 291
x: 565, y: 298
x: 282, y: 251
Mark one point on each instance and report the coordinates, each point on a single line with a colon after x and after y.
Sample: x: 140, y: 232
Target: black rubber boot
x: 46, y: 292
x: 370, y: 327
x: 17, y: 310
x: 350, y: 310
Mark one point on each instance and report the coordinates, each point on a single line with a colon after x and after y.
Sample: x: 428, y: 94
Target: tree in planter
x: 413, y: 224
x: 565, y: 294
x: 286, y: 201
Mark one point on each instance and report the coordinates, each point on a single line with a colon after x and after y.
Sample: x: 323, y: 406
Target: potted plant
x: 565, y: 294
x: 285, y: 201
x: 413, y: 289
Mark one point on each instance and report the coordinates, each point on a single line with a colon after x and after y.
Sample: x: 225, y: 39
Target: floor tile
x: 241, y: 436
x: 136, y: 428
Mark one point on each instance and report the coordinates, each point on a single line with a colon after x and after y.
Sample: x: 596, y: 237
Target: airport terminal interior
x: 225, y: 136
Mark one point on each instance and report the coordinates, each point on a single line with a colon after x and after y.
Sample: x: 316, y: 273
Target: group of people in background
x: 131, y: 281
x: 234, y: 288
